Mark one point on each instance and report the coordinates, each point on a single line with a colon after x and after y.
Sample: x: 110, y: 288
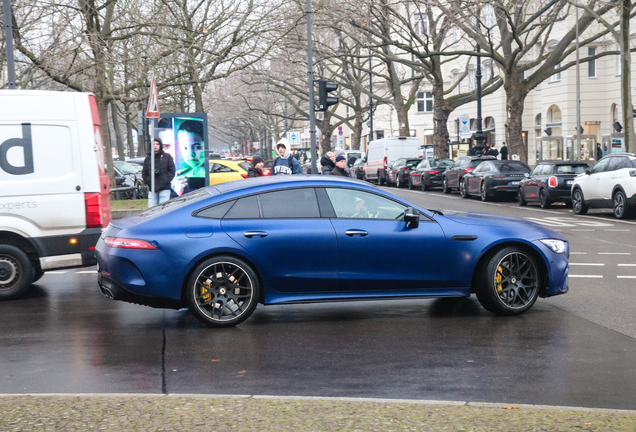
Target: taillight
x: 434, y: 172
x: 93, y: 203
x: 500, y: 175
x: 267, y: 172
x: 405, y: 169
x: 553, y: 182
x: 124, y: 243
x: 244, y: 175
x: 385, y: 162
x: 467, y: 170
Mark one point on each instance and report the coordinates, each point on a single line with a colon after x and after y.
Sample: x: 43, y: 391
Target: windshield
x: 442, y: 163
x: 128, y: 168
x: 513, y: 167
x: 413, y: 162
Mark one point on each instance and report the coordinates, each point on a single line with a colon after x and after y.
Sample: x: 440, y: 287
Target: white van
x: 54, y: 190
x: 384, y: 152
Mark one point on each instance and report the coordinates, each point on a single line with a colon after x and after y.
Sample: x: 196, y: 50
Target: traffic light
x: 325, y: 101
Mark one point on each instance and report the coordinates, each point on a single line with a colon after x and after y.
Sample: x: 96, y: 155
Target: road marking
x: 626, y: 277
x: 627, y: 265
x: 586, y: 276
x: 567, y: 222
x: 587, y: 264
x: 617, y: 230
x: 614, y: 253
x: 582, y: 230
x: 578, y: 253
x: 87, y: 271
x: 55, y: 272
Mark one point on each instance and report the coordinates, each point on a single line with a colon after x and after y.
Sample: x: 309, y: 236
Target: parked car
x: 494, y: 178
x: 128, y: 175
x: 399, y: 172
x: 224, y: 170
x: 357, y: 170
x: 550, y: 182
x: 233, y: 245
x: 383, y: 152
x: 429, y: 173
x: 611, y: 183
x: 453, y: 176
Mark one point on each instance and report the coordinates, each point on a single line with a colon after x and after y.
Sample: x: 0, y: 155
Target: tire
x: 483, y: 193
x: 445, y: 187
x: 578, y: 202
x: 544, y: 202
x: 619, y: 202
x: 37, y: 272
x: 16, y: 272
x: 410, y: 184
x: 509, y: 283
x: 521, y: 199
x: 398, y: 183
x: 462, y: 189
x: 425, y: 186
x: 381, y: 181
x: 210, y: 298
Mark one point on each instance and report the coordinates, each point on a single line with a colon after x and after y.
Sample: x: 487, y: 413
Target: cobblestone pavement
x: 70, y: 413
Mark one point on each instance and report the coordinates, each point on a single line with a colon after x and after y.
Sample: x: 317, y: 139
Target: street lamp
x: 480, y: 136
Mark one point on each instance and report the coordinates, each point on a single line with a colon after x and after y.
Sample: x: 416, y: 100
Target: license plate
x: 568, y: 182
x: 514, y: 183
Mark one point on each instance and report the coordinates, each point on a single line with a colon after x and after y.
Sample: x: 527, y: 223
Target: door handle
x: 356, y: 232
x: 250, y: 234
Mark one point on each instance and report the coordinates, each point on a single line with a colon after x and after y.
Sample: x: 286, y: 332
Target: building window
x: 421, y: 24
x: 591, y: 65
x: 424, y: 102
x: 557, y: 76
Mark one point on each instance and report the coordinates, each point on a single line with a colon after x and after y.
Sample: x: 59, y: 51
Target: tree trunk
x: 516, y: 144
x: 403, y: 119
x: 626, y: 99
x: 356, y: 136
x: 197, y: 89
x: 129, y: 132
x: 121, y: 152
x: 440, y: 123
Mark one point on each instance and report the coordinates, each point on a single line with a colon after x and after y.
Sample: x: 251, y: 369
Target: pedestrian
x: 599, y: 151
x: 491, y: 151
x: 340, y: 168
x: 285, y: 163
x: 471, y: 150
x: 256, y: 170
x: 327, y: 162
x: 504, y: 151
x: 164, y: 173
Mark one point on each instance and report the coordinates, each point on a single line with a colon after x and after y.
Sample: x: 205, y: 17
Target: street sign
x: 464, y: 126
x: 339, y: 130
x: 153, y: 101
x: 294, y: 138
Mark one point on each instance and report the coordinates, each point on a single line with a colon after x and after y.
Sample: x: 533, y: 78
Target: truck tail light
x: 553, y: 181
x: 385, y: 162
x: 94, y: 210
x: 124, y: 243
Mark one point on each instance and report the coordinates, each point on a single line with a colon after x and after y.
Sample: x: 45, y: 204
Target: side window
x: 291, y: 203
x: 216, y: 211
x: 617, y: 163
x: 538, y: 170
x: 223, y: 169
x: 244, y: 208
x: 355, y: 204
x: 600, y: 166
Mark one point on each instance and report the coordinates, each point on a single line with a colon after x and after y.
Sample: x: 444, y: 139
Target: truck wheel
x: 16, y: 272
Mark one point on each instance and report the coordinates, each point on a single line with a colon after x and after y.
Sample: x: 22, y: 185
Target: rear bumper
x: 68, y: 251
x: 560, y: 195
x: 114, y: 291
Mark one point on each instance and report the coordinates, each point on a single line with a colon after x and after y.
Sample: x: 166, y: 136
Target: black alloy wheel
x: 223, y: 291
x: 398, y: 183
x: 620, y: 205
x: 410, y: 186
x: 462, y: 188
x: 543, y: 199
x: 16, y: 272
x: 483, y: 193
x: 509, y: 283
x: 445, y: 187
x: 521, y: 199
x: 578, y: 204
x: 425, y: 185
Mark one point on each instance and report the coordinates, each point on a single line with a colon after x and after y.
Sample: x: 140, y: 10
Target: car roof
x: 562, y: 163
x: 480, y: 157
x: 288, y: 180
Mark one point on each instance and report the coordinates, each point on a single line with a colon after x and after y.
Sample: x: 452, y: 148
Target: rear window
x: 513, y: 167
x: 412, y: 162
x: 442, y: 163
x: 475, y: 162
x: 245, y: 165
x: 571, y: 169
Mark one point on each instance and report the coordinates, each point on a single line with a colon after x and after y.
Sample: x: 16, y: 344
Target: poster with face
x: 183, y: 138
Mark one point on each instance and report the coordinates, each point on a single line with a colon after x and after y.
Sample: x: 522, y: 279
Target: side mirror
x: 411, y: 217
x: 526, y: 175
x: 588, y: 171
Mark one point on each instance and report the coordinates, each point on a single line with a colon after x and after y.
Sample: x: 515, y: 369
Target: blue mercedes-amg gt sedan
x: 223, y: 249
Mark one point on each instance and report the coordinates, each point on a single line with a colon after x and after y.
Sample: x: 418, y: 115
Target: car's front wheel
x: 620, y: 208
x: 16, y: 272
x: 483, y: 193
x: 445, y: 187
x: 509, y: 283
x: 521, y: 199
x: 223, y: 291
x: 462, y: 189
x: 578, y: 204
x: 544, y: 201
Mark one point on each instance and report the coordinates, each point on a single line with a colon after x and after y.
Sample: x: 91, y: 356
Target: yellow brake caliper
x: 498, y: 278
x: 205, y: 291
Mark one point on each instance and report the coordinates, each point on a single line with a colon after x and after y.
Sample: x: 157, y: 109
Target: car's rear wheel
x: 410, y: 184
x: 462, y: 189
x: 483, y: 193
x: 381, y: 181
x: 543, y: 199
x: 521, y: 199
x: 16, y: 272
x: 222, y: 291
x: 578, y: 204
x: 425, y: 185
x: 445, y: 187
x: 398, y: 183
x: 620, y: 207
x: 509, y: 283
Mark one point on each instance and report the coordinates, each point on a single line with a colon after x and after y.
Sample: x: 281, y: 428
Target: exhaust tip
x: 107, y: 292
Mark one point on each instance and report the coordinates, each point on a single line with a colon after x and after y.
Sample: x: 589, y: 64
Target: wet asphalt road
x: 66, y: 338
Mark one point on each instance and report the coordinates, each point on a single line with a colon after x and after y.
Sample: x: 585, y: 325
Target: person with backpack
x: 285, y: 163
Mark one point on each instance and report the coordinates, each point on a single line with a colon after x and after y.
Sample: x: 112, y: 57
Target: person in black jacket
x: 339, y: 169
x: 164, y: 173
x: 504, y: 151
x: 256, y: 170
x: 327, y: 163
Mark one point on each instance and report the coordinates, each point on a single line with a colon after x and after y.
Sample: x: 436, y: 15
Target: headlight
x: 556, y: 246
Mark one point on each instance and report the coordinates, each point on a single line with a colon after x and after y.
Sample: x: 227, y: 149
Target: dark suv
x: 454, y: 175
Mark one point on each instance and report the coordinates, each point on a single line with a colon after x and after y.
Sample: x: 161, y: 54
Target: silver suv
x: 611, y: 183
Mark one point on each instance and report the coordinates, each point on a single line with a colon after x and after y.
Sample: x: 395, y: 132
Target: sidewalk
x: 81, y: 413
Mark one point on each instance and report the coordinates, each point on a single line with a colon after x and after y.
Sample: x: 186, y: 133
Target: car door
x: 606, y: 187
x: 474, y: 180
x: 221, y: 173
x: 296, y: 248
x: 537, y: 176
x: 378, y: 252
x: 592, y: 189
x: 452, y: 175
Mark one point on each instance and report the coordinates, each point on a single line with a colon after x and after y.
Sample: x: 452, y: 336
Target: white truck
x: 54, y: 189
x: 383, y: 152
